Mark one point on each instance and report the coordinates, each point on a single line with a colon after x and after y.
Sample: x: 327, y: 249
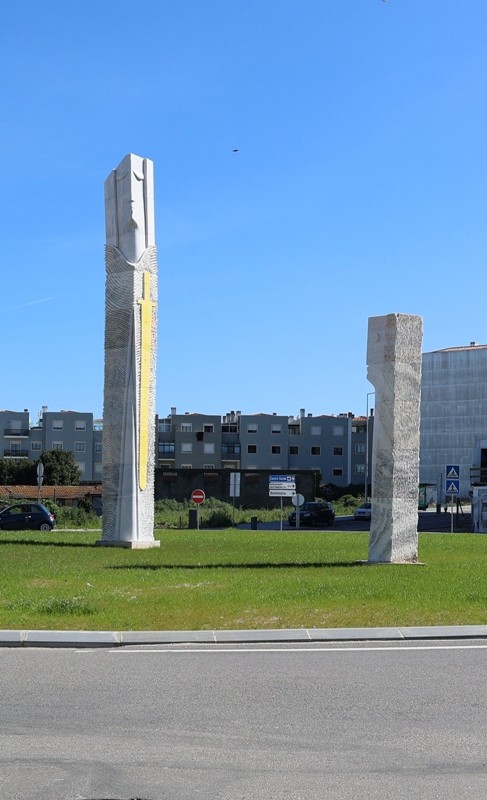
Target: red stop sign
x: 198, y: 496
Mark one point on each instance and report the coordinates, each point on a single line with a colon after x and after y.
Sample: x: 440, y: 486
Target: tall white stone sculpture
x: 394, y: 368
x: 130, y: 356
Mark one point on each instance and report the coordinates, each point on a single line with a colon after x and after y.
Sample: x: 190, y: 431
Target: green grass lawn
x: 236, y: 579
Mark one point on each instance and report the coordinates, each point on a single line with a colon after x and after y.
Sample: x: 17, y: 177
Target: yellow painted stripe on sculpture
x: 146, y: 306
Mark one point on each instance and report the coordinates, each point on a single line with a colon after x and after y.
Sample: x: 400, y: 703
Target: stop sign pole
x: 40, y: 478
x: 198, y: 497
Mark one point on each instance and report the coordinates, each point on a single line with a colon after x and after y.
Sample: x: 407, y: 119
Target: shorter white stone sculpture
x: 394, y: 368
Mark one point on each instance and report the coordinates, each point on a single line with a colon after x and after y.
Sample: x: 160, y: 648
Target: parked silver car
x: 363, y: 512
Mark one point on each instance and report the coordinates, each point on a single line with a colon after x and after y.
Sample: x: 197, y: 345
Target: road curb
x: 77, y: 639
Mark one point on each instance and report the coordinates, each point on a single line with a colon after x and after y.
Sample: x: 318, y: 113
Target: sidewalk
x: 76, y: 639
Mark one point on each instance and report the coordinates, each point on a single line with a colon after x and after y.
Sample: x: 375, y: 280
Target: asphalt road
x: 283, y: 722
x: 428, y: 521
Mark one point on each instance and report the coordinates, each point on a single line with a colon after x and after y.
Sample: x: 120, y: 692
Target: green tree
x: 15, y: 471
x: 60, y: 468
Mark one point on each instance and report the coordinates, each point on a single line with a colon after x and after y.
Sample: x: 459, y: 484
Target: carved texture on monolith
x: 394, y: 368
x: 130, y: 362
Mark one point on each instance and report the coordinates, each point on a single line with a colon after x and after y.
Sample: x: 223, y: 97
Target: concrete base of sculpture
x: 394, y: 368
x: 129, y: 545
x: 391, y: 563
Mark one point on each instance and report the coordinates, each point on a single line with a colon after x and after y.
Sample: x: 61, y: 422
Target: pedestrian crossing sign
x: 453, y: 471
x: 452, y: 487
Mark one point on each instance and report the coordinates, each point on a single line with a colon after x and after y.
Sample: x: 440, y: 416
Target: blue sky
x: 358, y: 189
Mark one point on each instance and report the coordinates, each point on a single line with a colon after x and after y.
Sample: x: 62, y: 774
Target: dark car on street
x: 311, y: 514
x: 27, y: 516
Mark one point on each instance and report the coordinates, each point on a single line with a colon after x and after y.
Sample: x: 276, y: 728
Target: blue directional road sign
x: 282, y: 485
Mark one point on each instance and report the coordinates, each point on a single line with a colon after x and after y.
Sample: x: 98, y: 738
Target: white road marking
x: 346, y: 649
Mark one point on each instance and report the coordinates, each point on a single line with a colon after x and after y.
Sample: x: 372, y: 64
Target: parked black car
x: 27, y: 516
x: 311, y: 514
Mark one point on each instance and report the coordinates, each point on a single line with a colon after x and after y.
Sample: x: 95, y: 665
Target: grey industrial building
x: 454, y: 415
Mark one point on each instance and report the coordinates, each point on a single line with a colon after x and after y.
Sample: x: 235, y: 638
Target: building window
x: 97, y: 447
x: 166, y: 449
x: 57, y: 446
x: 231, y: 449
x: 293, y: 450
x: 208, y: 428
x: 98, y: 468
x: 229, y: 428
x: 79, y: 447
x: 35, y: 446
x: 316, y: 430
x: 251, y: 448
x: 186, y: 466
x: 186, y: 447
x: 276, y: 428
x: 80, y: 425
x: 57, y: 424
x: 338, y: 451
x: 186, y: 427
x: 360, y: 469
x: 81, y: 465
x: 337, y: 473
x: 208, y: 466
x: 164, y: 426
x: 338, y: 430
x: 315, y: 451
x: 276, y: 449
x: 359, y: 448
x: 252, y: 428
x: 209, y: 448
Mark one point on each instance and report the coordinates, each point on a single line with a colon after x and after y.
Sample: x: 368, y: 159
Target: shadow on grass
x: 47, y: 544
x: 154, y: 567
x: 258, y: 565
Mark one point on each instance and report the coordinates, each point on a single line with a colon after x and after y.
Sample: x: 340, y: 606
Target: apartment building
x: 332, y: 445
x: 74, y: 431
x: 262, y: 441
x: 14, y: 432
x: 453, y: 431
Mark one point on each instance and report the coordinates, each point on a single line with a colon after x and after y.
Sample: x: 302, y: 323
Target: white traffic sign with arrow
x: 282, y: 485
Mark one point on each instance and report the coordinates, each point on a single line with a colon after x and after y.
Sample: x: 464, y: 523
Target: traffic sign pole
x: 40, y: 478
x: 452, y: 486
x: 198, y: 497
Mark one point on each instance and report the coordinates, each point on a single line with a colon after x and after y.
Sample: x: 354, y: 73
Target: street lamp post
x: 369, y: 394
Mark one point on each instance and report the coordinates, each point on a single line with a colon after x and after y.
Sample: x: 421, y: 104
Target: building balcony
x: 15, y: 453
x: 478, y: 476
x: 19, y: 433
